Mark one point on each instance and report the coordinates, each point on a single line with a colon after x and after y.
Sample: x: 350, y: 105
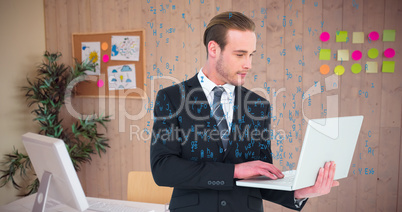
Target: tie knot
x: 218, y: 91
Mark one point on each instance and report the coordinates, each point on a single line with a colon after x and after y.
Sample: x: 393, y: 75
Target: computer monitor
x: 53, y: 166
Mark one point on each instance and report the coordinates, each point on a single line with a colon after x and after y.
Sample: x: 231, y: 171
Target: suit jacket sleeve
x: 168, y: 168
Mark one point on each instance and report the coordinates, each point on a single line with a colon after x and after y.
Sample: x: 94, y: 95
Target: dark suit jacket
x: 187, y: 153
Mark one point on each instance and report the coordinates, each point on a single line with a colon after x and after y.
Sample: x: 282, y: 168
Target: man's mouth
x: 242, y: 74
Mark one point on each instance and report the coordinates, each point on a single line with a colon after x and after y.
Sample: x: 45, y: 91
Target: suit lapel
x: 198, y: 103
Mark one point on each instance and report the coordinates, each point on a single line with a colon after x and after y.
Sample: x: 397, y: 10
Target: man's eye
x: 240, y: 55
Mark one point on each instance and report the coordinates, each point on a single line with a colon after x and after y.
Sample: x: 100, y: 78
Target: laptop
x: 328, y: 139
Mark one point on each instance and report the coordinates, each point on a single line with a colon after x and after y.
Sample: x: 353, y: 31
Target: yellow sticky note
x: 325, y: 54
x: 388, y: 66
x: 341, y: 36
x: 339, y: 70
x: 358, y: 37
x: 343, y: 55
x: 371, y: 67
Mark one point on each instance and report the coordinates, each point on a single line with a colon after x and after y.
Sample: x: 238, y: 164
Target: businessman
x: 210, y: 131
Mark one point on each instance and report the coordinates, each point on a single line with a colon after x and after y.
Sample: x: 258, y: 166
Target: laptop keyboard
x: 287, y: 180
x: 100, y: 206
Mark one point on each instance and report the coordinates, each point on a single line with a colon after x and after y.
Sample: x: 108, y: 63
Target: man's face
x: 234, y: 62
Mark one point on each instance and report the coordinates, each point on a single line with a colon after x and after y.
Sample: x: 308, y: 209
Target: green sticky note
x: 325, y: 54
x: 372, y: 53
x: 388, y: 66
x: 341, y: 36
x: 371, y: 67
x: 356, y: 68
x: 358, y: 37
x: 388, y: 35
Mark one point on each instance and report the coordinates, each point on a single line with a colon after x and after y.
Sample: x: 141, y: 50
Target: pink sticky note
x: 325, y: 36
x: 389, y: 53
x: 100, y: 83
x: 374, y: 35
x: 105, y: 58
x: 357, y: 55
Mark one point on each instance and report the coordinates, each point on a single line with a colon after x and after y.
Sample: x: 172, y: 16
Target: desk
x: 25, y: 205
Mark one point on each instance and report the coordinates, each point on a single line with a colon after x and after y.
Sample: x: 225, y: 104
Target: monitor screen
x: 56, y: 173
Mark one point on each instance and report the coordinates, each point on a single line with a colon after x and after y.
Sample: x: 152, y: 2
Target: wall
x: 23, y: 44
x: 285, y: 66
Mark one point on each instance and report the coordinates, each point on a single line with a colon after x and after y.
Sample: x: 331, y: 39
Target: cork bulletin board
x: 120, y: 63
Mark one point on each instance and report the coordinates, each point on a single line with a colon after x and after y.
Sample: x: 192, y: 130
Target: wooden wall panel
x: 399, y: 125
x: 347, y: 193
x: 311, y: 104
x: 275, y: 79
x: 390, y: 127
x: 285, y: 66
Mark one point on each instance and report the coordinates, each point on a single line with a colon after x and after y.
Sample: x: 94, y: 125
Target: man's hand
x: 324, y: 183
x: 256, y: 168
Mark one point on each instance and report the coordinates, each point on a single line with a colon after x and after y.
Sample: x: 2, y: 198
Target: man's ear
x: 213, y: 49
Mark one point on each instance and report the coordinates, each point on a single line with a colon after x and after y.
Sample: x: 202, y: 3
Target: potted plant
x: 48, y: 92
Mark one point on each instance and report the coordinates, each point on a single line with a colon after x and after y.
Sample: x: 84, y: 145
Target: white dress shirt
x: 227, y: 99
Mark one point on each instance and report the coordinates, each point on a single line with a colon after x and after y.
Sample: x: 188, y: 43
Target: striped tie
x: 220, y: 117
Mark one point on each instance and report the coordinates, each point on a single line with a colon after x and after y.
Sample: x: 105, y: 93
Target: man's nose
x: 247, y: 63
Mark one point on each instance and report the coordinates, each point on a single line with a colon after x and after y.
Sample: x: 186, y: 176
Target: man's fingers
x: 335, y: 183
x: 271, y: 168
x: 266, y: 173
x: 320, y: 177
x: 270, y: 171
x: 326, y: 174
x: 256, y: 168
x: 331, y: 174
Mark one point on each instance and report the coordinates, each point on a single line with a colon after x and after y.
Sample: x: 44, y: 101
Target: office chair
x: 141, y: 187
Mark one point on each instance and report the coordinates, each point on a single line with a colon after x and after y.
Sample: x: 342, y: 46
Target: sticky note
x: 388, y: 66
x: 324, y: 69
x: 358, y: 37
x: 100, y: 83
x: 105, y: 46
x: 339, y: 70
x: 389, y: 53
x: 325, y: 36
x: 371, y: 67
x: 373, y: 35
x: 343, y: 55
x: 325, y: 54
x: 341, y: 36
x: 105, y: 58
x: 356, y: 68
x: 357, y: 55
x: 372, y: 53
x: 388, y: 35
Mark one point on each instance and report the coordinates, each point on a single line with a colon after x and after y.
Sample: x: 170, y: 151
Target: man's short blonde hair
x: 221, y: 23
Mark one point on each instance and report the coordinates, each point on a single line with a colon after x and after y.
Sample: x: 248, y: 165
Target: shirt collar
x: 207, y: 85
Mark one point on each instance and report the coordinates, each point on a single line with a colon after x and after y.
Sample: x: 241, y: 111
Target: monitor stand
x: 41, y: 197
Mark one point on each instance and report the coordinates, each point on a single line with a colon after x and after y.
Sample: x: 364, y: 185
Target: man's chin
x: 238, y: 82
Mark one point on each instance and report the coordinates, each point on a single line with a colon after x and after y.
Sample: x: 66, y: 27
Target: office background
x: 286, y: 65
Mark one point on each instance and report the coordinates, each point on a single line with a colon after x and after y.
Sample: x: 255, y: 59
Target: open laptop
x: 328, y: 139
